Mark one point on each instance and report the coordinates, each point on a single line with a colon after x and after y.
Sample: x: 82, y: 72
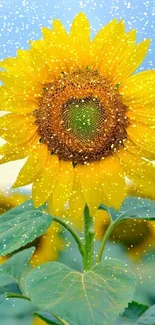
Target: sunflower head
x: 79, y: 115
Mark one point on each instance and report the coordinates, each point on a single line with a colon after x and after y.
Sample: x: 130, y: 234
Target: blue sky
x: 20, y: 20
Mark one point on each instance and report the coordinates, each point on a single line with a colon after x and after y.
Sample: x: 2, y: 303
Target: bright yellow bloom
x: 84, y: 121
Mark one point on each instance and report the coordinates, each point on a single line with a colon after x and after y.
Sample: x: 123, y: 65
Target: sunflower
x: 84, y: 121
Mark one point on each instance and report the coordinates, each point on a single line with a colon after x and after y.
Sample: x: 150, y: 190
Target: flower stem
x: 72, y: 232
x: 105, y: 238
x: 88, y: 240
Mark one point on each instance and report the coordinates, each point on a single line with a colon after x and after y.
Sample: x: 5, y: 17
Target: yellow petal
x: 44, y: 185
x: 18, y: 80
x: 52, y: 59
x: 131, y: 61
x: 102, y: 36
x: 112, y: 46
x: 63, y: 188
x: 138, y: 150
x: 60, y: 30
x: 14, y: 93
x: 80, y: 40
x: 19, y: 102
x: 12, y: 121
x: 80, y: 29
x: 74, y: 210
x: 113, y: 181
x: 43, y: 69
x: 143, y: 136
x: 99, y: 42
x: 54, y: 50
x: 21, y: 65
x: 89, y: 178
x: 146, y: 116
x: 140, y: 171
x: 47, y: 33
x: 138, y: 91
x: 17, y: 151
x: 33, y: 166
x: 15, y: 106
x: 123, y: 44
x: 8, y: 62
x: 17, y: 135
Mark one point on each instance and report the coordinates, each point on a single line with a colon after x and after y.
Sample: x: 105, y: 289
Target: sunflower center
x: 81, y: 117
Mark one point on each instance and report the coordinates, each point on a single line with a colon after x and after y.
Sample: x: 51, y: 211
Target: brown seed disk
x: 76, y: 87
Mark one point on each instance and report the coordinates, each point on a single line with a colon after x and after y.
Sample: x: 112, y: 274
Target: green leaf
x: 12, y: 270
x: 145, y: 274
x: 131, y: 313
x: 16, y: 312
x: 48, y: 318
x: 15, y: 265
x: 21, y: 225
x: 92, y: 298
x: 133, y: 207
x: 8, y: 285
x: 148, y: 318
x: 2, y: 298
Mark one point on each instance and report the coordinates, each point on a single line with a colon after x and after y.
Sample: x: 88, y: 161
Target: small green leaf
x: 12, y: 270
x: 131, y: 313
x: 133, y: 207
x: 148, y: 318
x: 92, y: 298
x: 21, y: 225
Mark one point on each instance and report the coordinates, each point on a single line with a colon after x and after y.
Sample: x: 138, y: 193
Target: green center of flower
x: 83, y: 117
